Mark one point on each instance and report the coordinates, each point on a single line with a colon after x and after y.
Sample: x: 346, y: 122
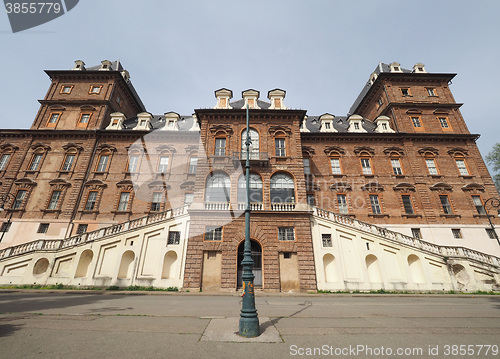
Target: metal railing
x: 53, y: 245
x: 444, y: 251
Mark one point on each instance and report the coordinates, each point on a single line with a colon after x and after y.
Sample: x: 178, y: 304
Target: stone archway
x: 257, y: 263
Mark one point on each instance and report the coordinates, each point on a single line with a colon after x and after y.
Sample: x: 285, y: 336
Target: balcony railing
x: 256, y: 206
x: 217, y: 206
x: 283, y: 207
x: 261, y: 157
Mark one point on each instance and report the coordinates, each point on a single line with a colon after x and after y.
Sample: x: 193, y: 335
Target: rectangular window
x: 174, y: 237
x: 379, y: 101
x: 431, y: 92
x: 478, y: 203
x: 188, y: 198
x: 66, y: 89
x: 307, y: 166
x: 91, y: 201
x: 311, y: 200
x: 457, y: 234
x: 396, y: 166
x: 133, y: 162
x: 365, y: 164
x: 445, y: 203
x: 156, y: 201
x: 407, y: 204
x: 82, y: 228
x: 491, y: 233
x: 20, y: 196
x: 3, y: 161
x: 431, y: 166
x: 213, y: 233
x: 326, y: 239
x: 286, y: 234
x: 415, y: 232
x: 84, y: 118
x: 443, y: 121
x: 43, y: 228
x: 416, y: 122
x: 102, y: 165
x: 5, y: 226
x: 374, y: 201
x: 95, y: 89
x: 53, y: 119
x: 193, y: 164
x: 35, y: 162
x: 462, y: 168
x: 405, y: 92
x: 280, y: 148
x: 342, y: 203
x: 123, y: 203
x: 54, y: 200
x: 68, y: 163
x: 220, y: 146
x: 163, y: 164
x: 335, y: 165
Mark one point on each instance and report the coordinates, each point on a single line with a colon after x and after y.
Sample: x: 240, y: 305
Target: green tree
x: 493, y: 159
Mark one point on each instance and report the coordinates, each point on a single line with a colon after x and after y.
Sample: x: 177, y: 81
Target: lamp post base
x: 249, y: 327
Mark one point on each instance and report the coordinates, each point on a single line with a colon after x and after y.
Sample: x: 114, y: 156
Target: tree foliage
x: 493, y: 159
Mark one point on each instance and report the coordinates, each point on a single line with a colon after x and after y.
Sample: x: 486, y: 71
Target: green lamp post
x: 249, y: 320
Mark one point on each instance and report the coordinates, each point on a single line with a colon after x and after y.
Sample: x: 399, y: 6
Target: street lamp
x: 249, y: 320
x: 495, y: 202
x: 4, y: 198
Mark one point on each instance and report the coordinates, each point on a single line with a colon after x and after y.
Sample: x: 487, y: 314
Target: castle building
x: 391, y: 195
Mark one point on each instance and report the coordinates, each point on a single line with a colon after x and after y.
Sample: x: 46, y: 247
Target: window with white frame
x: 213, y: 233
x: 375, y: 204
x: 445, y: 203
x: 478, y: 203
x: 431, y: 166
x: 335, y: 166
x: 54, y: 200
x: 90, y: 205
x: 342, y: 203
x: 286, y: 233
x: 163, y: 164
x: 35, y: 162
x: 19, y: 200
x: 220, y: 147
x: 68, y: 162
x: 366, y: 166
x: 133, y: 163
x: 123, y: 202
x: 193, y: 164
x: 408, y: 206
x: 396, y: 167
x: 462, y: 168
x: 156, y: 201
x: 280, y: 147
x: 4, y: 160
x: 218, y: 188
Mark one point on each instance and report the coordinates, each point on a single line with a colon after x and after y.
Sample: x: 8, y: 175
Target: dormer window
x: 327, y: 125
x: 356, y: 126
x: 66, y: 89
x: 384, y: 126
x: 405, y: 91
x: 431, y: 92
x: 396, y: 68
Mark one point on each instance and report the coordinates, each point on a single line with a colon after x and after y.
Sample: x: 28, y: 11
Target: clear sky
x: 320, y: 52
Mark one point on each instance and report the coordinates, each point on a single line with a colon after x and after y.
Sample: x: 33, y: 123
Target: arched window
x: 282, y: 188
x: 218, y: 188
x: 254, y: 147
x: 255, y: 189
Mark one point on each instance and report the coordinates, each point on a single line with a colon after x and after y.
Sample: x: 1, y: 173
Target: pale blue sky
x: 320, y: 52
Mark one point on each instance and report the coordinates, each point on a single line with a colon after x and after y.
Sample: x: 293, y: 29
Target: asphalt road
x: 174, y: 325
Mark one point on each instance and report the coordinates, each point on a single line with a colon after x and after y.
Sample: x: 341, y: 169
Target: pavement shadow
x: 9, y: 329
x: 496, y: 301
x: 34, y: 302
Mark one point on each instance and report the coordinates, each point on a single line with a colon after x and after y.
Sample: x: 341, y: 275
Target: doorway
x: 257, y: 263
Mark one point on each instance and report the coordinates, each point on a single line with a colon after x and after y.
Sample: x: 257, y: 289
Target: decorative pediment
x: 334, y: 150
x: 218, y: 129
x: 414, y: 111
x: 441, y: 187
x: 308, y: 150
x: 473, y: 187
x: 458, y: 152
x: 404, y: 187
x: 187, y: 185
x: 273, y: 130
x: 57, y: 107
x: 137, y: 148
x: 394, y: 151
x: 428, y: 150
x: 105, y: 146
x: 70, y: 146
x: 59, y: 183
x: 441, y: 111
x: 159, y: 185
x: 341, y: 187
x: 166, y: 148
x: 25, y: 183
x: 125, y: 185
x: 364, y: 150
x: 40, y: 146
x: 87, y: 107
x: 8, y: 146
x: 191, y: 148
x: 95, y: 184
x: 372, y: 187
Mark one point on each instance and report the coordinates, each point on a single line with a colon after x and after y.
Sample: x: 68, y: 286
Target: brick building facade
x: 402, y: 159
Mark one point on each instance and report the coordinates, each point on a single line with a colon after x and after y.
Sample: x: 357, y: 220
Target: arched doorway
x: 257, y: 263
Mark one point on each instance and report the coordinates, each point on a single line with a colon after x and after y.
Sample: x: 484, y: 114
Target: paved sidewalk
x: 188, y: 325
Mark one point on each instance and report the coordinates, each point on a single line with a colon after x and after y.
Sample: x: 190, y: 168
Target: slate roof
x: 340, y: 124
x: 158, y: 121
x: 240, y: 103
